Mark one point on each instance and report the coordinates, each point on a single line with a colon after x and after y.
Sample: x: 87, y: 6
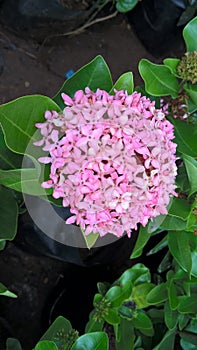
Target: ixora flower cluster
x: 112, y: 160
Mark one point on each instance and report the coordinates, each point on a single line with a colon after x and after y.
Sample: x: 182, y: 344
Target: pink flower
x: 112, y: 160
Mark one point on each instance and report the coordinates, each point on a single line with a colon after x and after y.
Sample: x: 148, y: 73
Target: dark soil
x: 28, y: 67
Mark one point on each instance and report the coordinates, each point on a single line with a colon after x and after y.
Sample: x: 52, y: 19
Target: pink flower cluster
x: 112, y: 160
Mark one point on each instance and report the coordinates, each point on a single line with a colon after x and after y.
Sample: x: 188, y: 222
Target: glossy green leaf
x: 171, y: 316
x: 176, y: 219
x: 143, y: 323
x: 194, y: 262
x: 186, y: 145
x: 60, y: 325
x: 191, y: 167
x: 159, y: 81
x: 5, y: 292
x: 97, y: 298
x: 125, y: 312
x: 183, y: 320
x: 103, y: 287
x: 125, y: 82
x: 172, y: 64
x: 192, y: 92
x: 190, y: 35
x: 8, y: 214
x: 92, y: 341
x: 90, y: 239
x: 22, y: 180
x: 158, y: 294
x: 179, y: 246
x: 192, y: 326
x: 112, y: 317
x: 13, y: 344
x: 125, y: 5
x: 172, y: 294
x: 93, y: 325
x: 167, y: 342
x: 188, y: 305
x: 2, y: 244
x: 116, y: 295
x: 192, y: 107
x: 126, y: 335
x: 139, y: 294
x: 191, y: 223
x: 182, y: 180
x: 166, y: 263
x: 162, y: 244
x: 94, y: 75
x: 18, y: 119
x: 189, y: 338
x: 137, y: 274
x: 143, y: 238
x: 187, y: 345
x: 46, y: 345
x: 8, y: 159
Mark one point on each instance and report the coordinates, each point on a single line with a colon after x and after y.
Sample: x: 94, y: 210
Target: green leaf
x: 182, y: 180
x: 188, y: 305
x: 159, y: 81
x: 179, y: 246
x: 103, y: 287
x: 191, y: 167
x: 93, y: 325
x: 183, y: 320
x: 8, y: 159
x: 125, y: 312
x: 157, y: 295
x: 60, y: 325
x: 125, y: 5
x: 192, y: 92
x: 125, y: 82
x: 172, y: 64
x: 94, y: 75
x: 172, y: 294
x: 189, y: 338
x: 162, y: 244
x: 126, y: 336
x: 190, y: 35
x: 22, y: 180
x: 194, y: 262
x: 2, y: 244
x: 176, y: 219
x: 90, y: 239
x: 13, y: 344
x: 167, y: 342
x: 139, y: 294
x: 116, y: 295
x: 192, y: 326
x: 112, y: 317
x: 166, y: 263
x: 46, y: 345
x: 8, y: 214
x: 186, y: 145
x: 18, y: 119
x: 5, y: 292
x: 187, y: 345
x: 171, y: 316
x: 143, y: 238
x: 143, y: 323
x: 137, y: 274
x: 92, y: 341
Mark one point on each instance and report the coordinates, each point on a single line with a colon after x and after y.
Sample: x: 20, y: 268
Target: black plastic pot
x: 31, y: 238
x: 155, y: 23
x: 41, y: 18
